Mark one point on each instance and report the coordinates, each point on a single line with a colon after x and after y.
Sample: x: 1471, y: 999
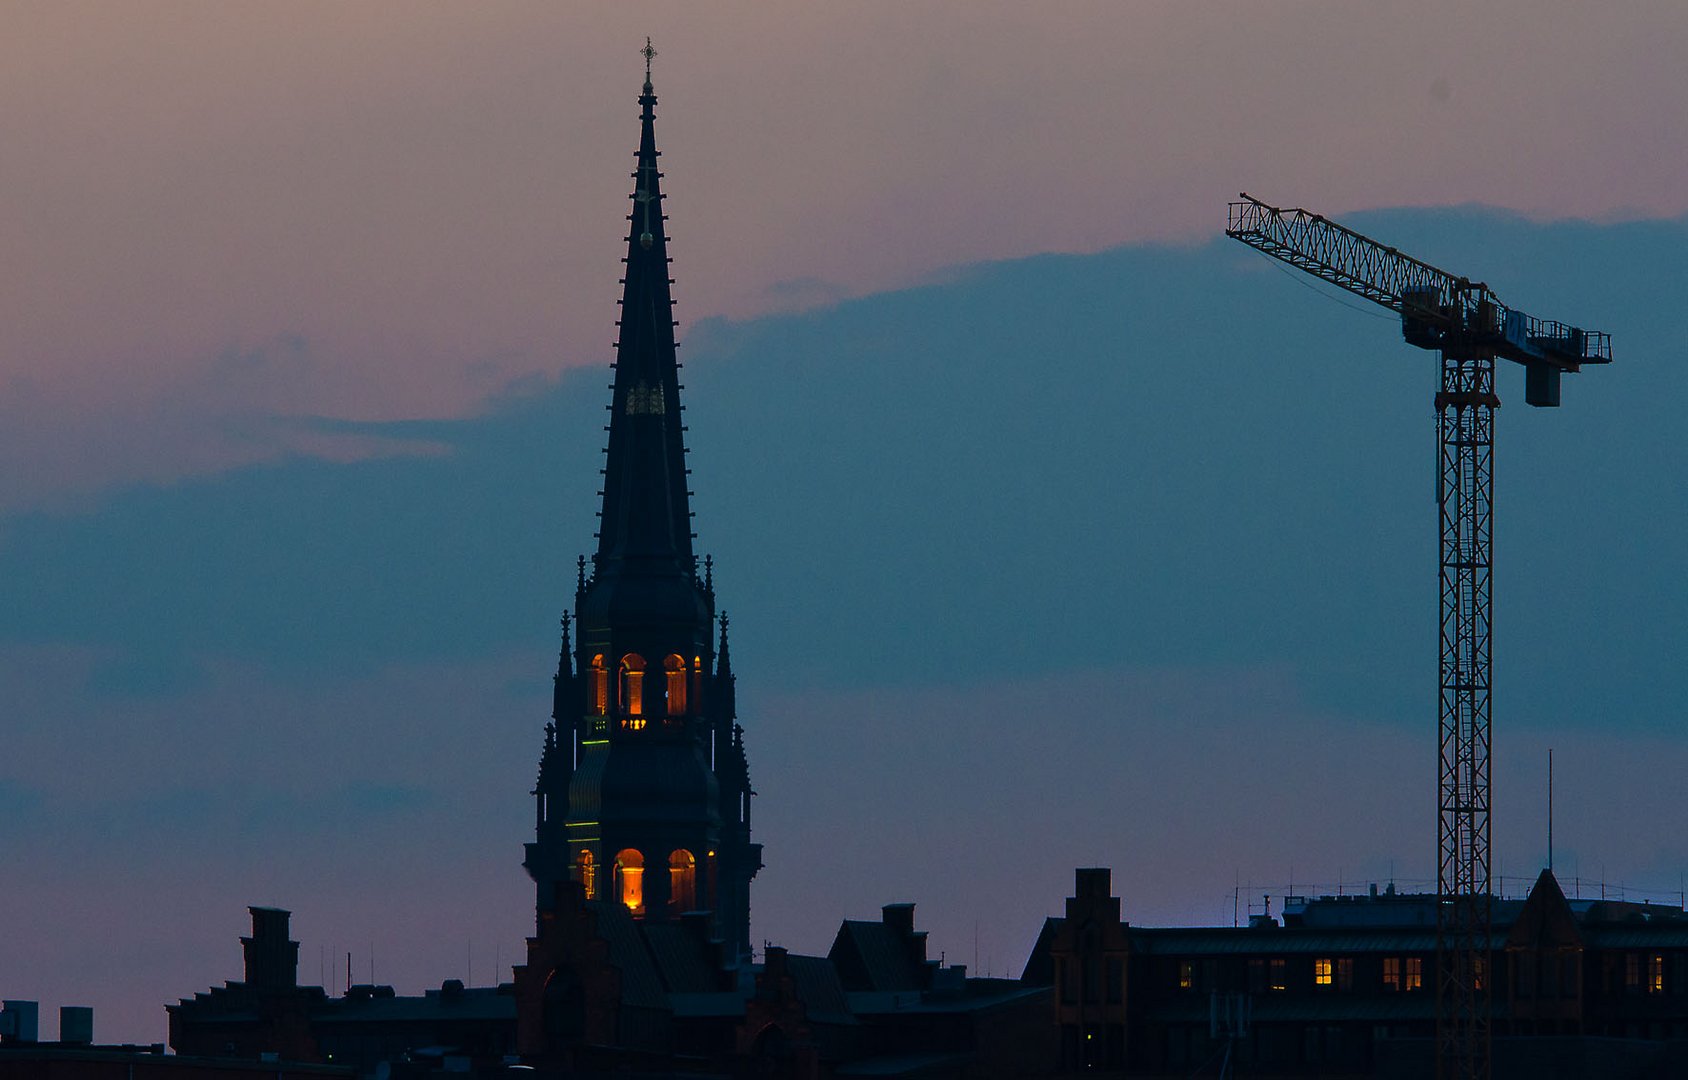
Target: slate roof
x: 473, y: 1003
x: 874, y: 955
x: 682, y: 959
x: 641, y: 985
x: 822, y: 992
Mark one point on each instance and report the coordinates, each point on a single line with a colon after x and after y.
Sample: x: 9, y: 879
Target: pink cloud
x: 419, y: 193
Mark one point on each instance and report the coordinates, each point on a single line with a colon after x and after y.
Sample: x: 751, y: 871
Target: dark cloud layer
x: 1154, y: 527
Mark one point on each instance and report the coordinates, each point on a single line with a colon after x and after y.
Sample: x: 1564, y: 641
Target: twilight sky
x: 1054, y: 530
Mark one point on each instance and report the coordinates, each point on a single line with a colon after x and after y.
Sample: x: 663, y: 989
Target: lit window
x: 1479, y: 971
x: 675, y: 667
x: 1280, y: 981
x: 1415, y: 973
x: 682, y: 880
x: 1186, y: 975
x: 632, y: 686
x: 1391, y: 972
x: 630, y: 880
x: 1322, y: 971
x: 1655, y: 974
x: 599, y: 685
x: 1345, y: 973
x: 588, y: 873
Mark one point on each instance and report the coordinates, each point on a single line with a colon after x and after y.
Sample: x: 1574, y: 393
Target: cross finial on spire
x: 649, y: 54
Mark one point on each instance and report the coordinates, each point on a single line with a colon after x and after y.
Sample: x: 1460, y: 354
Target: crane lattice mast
x: 1465, y: 322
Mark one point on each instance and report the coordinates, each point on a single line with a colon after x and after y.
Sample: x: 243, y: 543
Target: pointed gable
x: 1545, y: 922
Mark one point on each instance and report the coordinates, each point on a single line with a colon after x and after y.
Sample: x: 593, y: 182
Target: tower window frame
x: 598, y: 685
x: 682, y: 881
x: 588, y: 872
x: 674, y: 669
x: 632, y: 670
x: 630, y: 880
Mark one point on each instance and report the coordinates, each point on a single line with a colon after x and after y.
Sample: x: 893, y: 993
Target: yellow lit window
x: 630, y: 880
x: 588, y: 873
x: 632, y: 684
x: 682, y: 880
x: 1415, y: 973
x: 1322, y: 971
x: 1391, y: 972
x: 1655, y: 975
x: 1280, y: 979
x: 598, y: 684
x: 675, y: 668
x: 1186, y: 975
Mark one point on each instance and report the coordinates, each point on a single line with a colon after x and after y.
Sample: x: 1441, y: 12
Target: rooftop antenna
x: 1550, y: 809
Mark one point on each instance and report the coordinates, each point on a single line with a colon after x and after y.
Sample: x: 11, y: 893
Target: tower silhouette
x: 644, y: 790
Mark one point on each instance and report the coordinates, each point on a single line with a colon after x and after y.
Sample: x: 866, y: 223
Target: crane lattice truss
x: 1470, y: 327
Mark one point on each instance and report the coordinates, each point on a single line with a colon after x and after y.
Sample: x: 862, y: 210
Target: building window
x: 675, y: 668
x: 630, y: 880
x: 1391, y: 972
x: 682, y: 880
x: 1256, y: 975
x: 1345, y: 973
x: 632, y: 688
x: 1655, y: 974
x: 1116, y: 980
x: 1280, y: 977
x: 1479, y: 971
x: 1186, y: 975
x: 1632, y: 972
x: 598, y: 683
x: 588, y: 873
x: 1324, y: 972
x: 1415, y: 973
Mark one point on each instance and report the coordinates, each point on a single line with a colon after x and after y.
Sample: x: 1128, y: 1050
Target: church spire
x: 646, y: 526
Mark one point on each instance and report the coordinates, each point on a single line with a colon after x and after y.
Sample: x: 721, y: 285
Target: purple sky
x: 216, y: 214
x: 219, y: 224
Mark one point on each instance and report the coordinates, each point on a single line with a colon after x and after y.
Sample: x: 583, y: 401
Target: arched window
x: 632, y: 686
x: 588, y: 873
x: 630, y: 880
x: 675, y: 667
x: 682, y: 880
x: 598, y: 686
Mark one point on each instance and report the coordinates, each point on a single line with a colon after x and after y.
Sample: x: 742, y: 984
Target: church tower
x: 644, y: 790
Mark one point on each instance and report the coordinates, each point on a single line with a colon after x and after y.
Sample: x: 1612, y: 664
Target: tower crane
x: 1470, y: 328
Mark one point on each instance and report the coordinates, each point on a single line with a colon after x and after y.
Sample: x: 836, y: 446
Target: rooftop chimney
x: 272, y: 961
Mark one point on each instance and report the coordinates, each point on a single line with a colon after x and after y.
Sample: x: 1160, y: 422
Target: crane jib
x: 1438, y: 310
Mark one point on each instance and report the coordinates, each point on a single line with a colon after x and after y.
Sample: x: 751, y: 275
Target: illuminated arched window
x: 630, y: 880
x: 588, y: 873
x: 682, y: 880
x: 675, y: 667
x: 599, y: 686
x: 632, y: 686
